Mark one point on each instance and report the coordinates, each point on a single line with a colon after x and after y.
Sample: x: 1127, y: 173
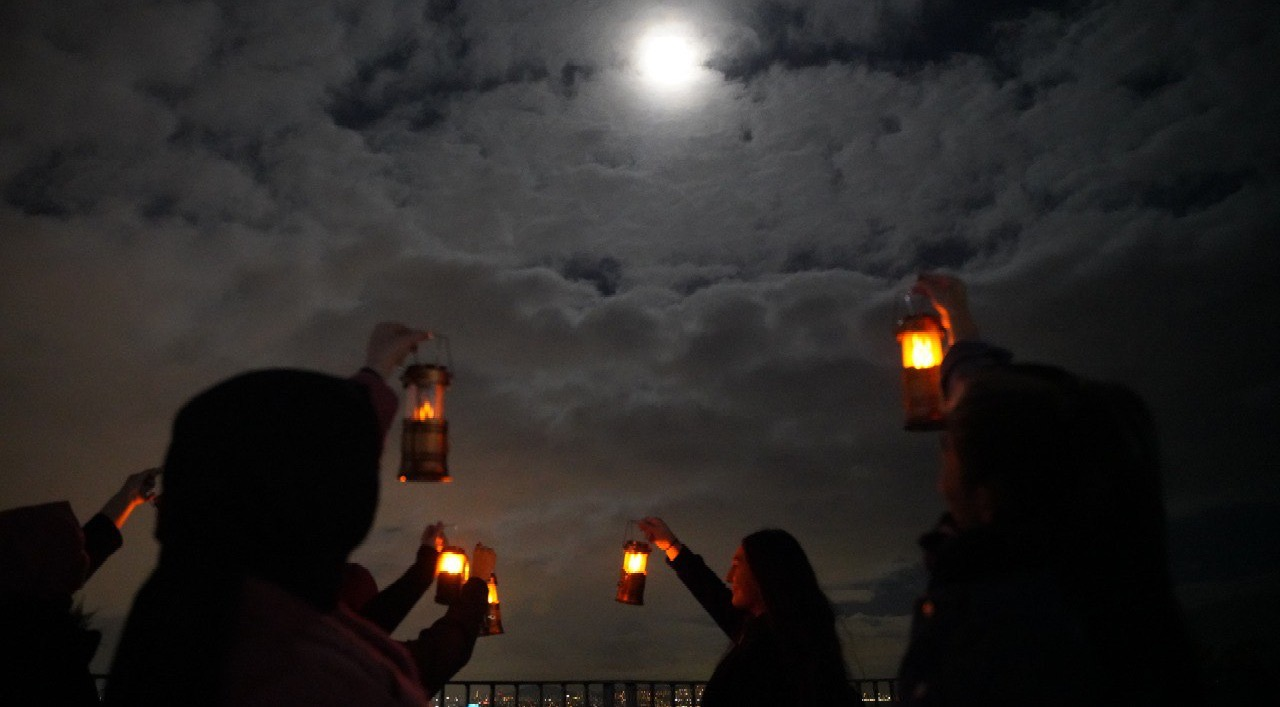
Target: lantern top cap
x: 426, y: 374
x: 636, y: 546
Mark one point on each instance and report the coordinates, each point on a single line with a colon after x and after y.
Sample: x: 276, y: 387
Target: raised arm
x: 968, y: 352
x: 102, y: 533
x: 702, y: 583
x: 389, y: 344
x: 393, y: 603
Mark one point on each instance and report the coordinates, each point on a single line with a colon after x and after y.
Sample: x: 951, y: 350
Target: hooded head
x: 274, y: 473
x: 42, y: 551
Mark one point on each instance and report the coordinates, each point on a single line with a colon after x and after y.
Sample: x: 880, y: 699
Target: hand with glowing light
x: 389, y: 344
x: 483, y: 561
x: 433, y: 536
x: 137, y: 489
x: 951, y: 299
x: 657, y: 532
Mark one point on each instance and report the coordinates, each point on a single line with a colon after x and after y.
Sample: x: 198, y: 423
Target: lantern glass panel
x: 635, y: 557
x: 921, y: 349
x: 452, y: 562
x: 451, y: 574
x: 635, y: 562
x: 923, y: 342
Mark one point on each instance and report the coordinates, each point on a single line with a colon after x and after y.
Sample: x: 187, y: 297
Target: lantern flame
x: 635, y: 562
x: 493, y: 590
x: 425, y: 411
x: 921, y: 350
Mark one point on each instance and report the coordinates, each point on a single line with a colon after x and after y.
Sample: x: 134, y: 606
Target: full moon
x: 668, y: 57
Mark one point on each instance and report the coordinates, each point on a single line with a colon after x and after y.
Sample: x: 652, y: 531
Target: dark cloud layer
x: 658, y: 302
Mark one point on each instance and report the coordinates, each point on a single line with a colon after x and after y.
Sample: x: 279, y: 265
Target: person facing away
x: 785, y: 650
x: 1048, y: 574
x: 45, y: 557
x: 271, y: 479
x: 442, y: 649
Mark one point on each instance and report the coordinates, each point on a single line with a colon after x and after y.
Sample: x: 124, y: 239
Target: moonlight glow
x: 668, y: 57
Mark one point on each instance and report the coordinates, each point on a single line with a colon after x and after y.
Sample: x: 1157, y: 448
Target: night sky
x: 663, y: 297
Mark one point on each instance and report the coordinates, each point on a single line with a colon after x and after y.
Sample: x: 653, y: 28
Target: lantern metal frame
x: 449, y: 584
x: 424, y: 442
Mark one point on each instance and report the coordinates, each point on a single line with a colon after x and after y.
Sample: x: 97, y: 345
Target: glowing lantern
x: 451, y: 574
x: 635, y: 558
x: 424, y: 447
x: 492, y: 625
x: 923, y: 342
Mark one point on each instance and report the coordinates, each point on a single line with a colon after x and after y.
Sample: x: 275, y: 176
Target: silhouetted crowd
x: 1048, y: 574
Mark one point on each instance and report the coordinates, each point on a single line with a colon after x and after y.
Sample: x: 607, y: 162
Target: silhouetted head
x: 1010, y: 447
x: 42, y: 551
x: 1037, y: 446
x: 785, y: 579
x: 273, y: 473
x: 800, y: 615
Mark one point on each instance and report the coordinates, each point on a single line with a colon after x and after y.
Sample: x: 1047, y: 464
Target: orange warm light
x: 424, y: 411
x: 451, y: 573
x: 921, y: 349
x: 923, y: 342
x: 635, y: 562
x: 635, y: 556
x: 452, y: 563
x: 492, y: 625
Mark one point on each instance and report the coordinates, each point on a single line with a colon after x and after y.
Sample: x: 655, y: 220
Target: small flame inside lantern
x: 921, y: 349
x: 424, y: 411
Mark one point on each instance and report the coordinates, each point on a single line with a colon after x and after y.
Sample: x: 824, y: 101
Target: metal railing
x: 608, y: 693
x: 598, y: 693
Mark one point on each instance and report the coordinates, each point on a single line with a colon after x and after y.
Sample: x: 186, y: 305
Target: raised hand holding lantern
x: 424, y: 446
x: 923, y: 342
x: 635, y: 560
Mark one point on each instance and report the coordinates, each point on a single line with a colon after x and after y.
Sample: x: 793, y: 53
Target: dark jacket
x: 994, y: 628
x: 761, y: 668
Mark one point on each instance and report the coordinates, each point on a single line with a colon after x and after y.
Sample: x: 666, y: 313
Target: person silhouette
x: 785, y: 650
x: 46, y: 556
x: 1048, y: 574
x: 271, y: 479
